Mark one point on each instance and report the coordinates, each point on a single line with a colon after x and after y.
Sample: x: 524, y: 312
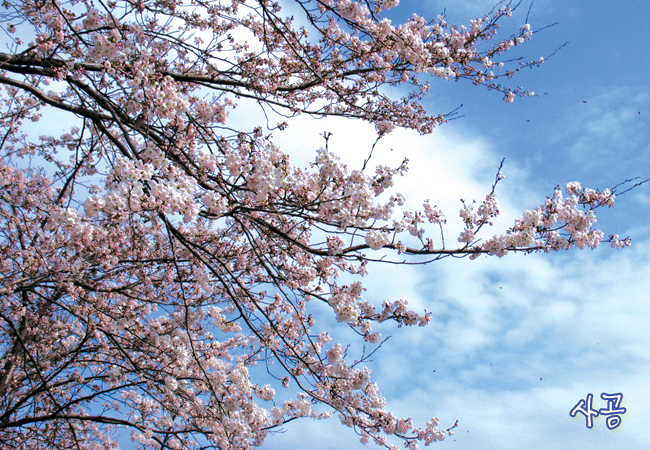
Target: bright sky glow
x: 516, y: 342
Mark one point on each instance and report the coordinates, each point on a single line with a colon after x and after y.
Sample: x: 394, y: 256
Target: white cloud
x: 500, y: 325
x: 583, y: 332
x: 515, y: 342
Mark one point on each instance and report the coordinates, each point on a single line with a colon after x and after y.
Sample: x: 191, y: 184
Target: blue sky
x: 516, y: 342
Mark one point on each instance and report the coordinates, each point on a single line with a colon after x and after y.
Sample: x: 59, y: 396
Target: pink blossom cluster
x: 559, y: 224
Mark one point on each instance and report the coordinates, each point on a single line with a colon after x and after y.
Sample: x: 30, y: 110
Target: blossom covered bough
x: 152, y: 255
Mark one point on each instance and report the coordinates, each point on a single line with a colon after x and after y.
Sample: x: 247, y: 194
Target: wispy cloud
x: 515, y: 342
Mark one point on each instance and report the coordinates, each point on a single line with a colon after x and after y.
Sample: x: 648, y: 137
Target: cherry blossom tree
x: 153, y: 257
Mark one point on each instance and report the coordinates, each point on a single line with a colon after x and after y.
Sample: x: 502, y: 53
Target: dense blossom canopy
x: 152, y: 255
